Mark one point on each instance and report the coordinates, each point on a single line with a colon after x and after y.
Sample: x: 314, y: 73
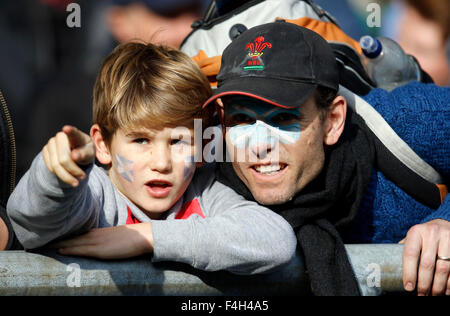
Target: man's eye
x: 241, y: 119
x: 142, y: 141
x: 285, y: 119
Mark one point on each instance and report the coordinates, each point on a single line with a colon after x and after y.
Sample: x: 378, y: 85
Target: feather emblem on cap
x: 255, y: 50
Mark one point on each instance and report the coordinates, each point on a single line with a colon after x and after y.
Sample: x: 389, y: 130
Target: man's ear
x: 101, y: 149
x: 335, y: 120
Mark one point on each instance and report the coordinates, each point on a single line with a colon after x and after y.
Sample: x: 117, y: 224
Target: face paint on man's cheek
x: 262, y: 133
x: 287, y: 134
x: 125, y: 167
x: 189, y: 167
x: 289, y: 131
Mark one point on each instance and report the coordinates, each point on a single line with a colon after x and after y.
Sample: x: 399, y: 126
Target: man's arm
x: 420, y: 115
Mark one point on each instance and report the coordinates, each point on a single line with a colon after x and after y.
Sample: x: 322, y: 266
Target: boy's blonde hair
x: 151, y: 86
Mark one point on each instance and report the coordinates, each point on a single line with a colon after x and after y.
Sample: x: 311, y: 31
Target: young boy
x: 143, y: 96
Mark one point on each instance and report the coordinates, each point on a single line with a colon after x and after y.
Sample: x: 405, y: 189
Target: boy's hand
x: 65, y: 151
x: 116, y: 242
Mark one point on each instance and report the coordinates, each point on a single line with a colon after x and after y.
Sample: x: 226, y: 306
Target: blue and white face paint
x: 262, y: 125
x: 260, y: 133
x: 125, y: 167
x: 182, y: 150
x: 189, y: 168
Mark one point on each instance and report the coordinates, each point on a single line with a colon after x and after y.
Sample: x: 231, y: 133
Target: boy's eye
x: 142, y: 141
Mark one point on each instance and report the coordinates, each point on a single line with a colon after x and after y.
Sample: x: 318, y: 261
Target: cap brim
x: 283, y: 93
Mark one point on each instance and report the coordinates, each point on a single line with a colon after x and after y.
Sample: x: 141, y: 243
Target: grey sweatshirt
x: 210, y: 228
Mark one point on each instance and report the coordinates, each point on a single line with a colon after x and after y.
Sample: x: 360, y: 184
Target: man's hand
x: 427, y: 241
x: 116, y: 242
x: 65, y: 151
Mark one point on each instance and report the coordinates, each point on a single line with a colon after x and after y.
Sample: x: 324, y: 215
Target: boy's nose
x: 161, y: 160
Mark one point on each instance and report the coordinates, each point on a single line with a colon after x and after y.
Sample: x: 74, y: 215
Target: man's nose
x: 262, y: 142
x: 260, y: 151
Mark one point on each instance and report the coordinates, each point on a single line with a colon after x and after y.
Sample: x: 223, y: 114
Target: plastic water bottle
x: 387, y: 64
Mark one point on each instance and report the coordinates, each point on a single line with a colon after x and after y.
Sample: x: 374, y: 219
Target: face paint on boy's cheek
x: 262, y: 133
x: 189, y: 167
x: 125, y: 167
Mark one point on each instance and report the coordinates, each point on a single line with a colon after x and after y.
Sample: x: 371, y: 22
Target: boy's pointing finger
x: 84, y: 155
x: 76, y: 137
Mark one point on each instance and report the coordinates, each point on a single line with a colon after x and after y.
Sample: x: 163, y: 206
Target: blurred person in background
x: 48, y: 68
x: 422, y: 28
x: 351, y: 15
x: 158, y: 21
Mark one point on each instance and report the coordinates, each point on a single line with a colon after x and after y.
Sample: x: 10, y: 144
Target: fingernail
x: 75, y: 183
x: 409, y: 286
x: 447, y: 292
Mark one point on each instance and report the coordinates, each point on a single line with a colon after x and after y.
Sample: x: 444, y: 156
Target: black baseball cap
x: 280, y: 63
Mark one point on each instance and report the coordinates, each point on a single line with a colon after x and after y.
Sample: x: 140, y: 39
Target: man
x: 311, y: 159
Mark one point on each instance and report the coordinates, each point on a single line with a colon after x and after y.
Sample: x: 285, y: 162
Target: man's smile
x: 269, y: 169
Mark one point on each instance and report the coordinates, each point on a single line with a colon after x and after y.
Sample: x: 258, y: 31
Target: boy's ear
x: 101, y: 149
x: 220, y: 112
x: 335, y: 120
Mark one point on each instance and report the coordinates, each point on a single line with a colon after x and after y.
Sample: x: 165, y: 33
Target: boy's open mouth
x: 158, y: 188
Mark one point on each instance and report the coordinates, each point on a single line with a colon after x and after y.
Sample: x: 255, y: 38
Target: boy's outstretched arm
x: 49, y: 201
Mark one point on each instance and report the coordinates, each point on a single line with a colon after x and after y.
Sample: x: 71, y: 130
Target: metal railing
x: 378, y: 269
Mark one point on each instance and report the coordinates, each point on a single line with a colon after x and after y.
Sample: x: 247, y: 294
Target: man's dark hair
x: 323, y: 97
